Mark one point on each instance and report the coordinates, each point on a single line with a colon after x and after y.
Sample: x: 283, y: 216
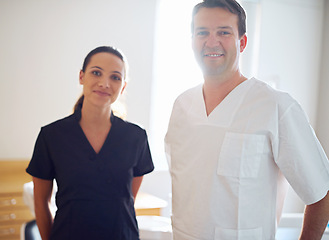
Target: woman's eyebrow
x: 117, y: 72
x: 97, y: 67
x: 103, y: 70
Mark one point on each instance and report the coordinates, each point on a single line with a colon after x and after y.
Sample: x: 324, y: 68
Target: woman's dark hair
x: 101, y: 49
x: 231, y: 5
x: 106, y: 49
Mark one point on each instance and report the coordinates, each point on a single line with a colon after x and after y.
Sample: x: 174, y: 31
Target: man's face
x: 216, y: 42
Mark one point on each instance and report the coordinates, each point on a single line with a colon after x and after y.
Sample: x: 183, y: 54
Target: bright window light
x: 175, y: 69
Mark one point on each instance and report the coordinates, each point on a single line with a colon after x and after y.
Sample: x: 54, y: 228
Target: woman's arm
x: 137, y: 181
x: 42, y: 195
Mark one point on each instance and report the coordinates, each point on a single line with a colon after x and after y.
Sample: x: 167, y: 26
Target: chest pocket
x: 240, y: 155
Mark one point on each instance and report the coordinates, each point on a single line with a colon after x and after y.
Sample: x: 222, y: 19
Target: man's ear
x: 81, y: 75
x: 243, y: 42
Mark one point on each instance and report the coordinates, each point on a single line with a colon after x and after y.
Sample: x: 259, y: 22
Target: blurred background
x: 43, y: 44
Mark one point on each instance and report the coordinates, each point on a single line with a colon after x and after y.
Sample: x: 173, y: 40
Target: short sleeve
x: 301, y: 157
x: 41, y: 165
x: 144, y: 164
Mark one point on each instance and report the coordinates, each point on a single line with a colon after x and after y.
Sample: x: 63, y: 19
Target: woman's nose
x: 104, y: 82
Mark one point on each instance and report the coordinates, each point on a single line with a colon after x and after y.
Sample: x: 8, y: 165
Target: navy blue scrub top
x: 94, y: 197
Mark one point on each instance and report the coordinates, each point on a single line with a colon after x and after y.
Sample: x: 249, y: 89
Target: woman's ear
x: 81, y: 75
x: 124, y: 86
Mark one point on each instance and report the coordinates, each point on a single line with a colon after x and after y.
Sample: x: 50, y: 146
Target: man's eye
x: 202, y: 33
x: 96, y: 73
x: 223, y: 33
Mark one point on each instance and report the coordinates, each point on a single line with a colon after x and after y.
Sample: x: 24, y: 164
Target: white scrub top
x: 229, y: 169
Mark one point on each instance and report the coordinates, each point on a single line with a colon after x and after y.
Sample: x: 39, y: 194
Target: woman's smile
x: 101, y: 93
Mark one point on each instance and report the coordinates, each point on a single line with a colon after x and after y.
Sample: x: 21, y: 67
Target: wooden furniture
x: 147, y: 204
x: 13, y: 211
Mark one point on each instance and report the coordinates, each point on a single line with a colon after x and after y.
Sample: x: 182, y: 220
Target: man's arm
x: 316, y: 217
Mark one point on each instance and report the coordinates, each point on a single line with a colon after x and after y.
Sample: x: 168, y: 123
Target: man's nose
x: 212, y: 40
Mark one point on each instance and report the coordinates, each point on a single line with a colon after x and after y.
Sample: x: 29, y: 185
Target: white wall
x: 42, y: 47
x: 322, y: 127
x: 290, y: 48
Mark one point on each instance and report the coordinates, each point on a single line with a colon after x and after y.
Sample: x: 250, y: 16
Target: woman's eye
x: 117, y: 78
x: 96, y: 73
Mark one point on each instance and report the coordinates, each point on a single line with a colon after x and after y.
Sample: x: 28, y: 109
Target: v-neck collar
x: 77, y: 116
x: 223, y: 113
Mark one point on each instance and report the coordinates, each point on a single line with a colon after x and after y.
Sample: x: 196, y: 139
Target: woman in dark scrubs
x: 97, y: 159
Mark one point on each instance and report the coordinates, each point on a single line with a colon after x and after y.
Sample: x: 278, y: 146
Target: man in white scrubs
x: 233, y: 144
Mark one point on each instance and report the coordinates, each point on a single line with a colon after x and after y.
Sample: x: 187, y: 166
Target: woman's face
x: 103, y: 79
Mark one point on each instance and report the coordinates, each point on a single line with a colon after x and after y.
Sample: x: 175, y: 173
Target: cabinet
x: 13, y: 211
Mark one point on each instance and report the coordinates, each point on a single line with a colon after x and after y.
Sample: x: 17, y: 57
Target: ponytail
x: 79, y: 103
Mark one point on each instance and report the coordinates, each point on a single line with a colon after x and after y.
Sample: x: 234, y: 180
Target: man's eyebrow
x: 220, y: 27
x: 225, y: 27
